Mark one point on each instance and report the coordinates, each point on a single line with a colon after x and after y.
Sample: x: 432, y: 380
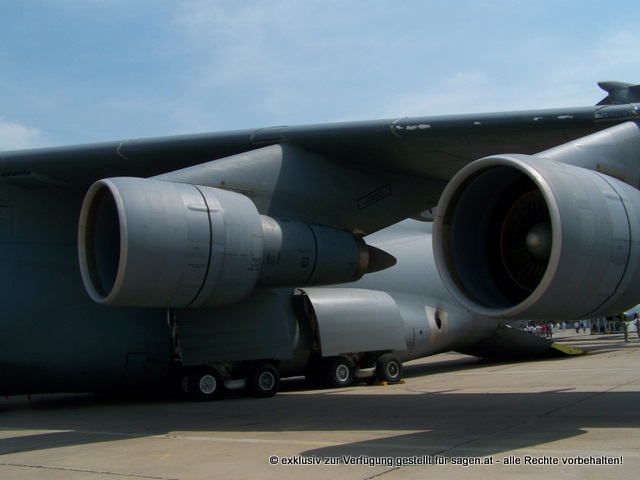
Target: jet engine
x: 152, y: 243
x: 521, y: 237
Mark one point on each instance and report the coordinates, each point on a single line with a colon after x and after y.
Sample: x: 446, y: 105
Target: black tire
x: 338, y: 372
x: 263, y: 380
x: 182, y: 383
x: 205, y: 384
x: 389, y: 368
x: 178, y: 382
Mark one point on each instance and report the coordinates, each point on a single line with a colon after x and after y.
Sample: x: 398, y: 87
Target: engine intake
x: 151, y: 243
x: 520, y: 237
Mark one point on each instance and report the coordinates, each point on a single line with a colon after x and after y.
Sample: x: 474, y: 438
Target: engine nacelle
x: 151, y: 243
x: 521, y: 237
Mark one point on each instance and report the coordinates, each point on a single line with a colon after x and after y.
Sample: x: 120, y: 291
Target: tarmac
x: 454, y: 417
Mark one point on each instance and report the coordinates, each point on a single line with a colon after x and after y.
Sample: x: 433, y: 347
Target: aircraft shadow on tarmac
x: 413, y: 422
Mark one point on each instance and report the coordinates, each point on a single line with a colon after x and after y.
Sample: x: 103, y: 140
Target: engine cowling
x: 152, y: 243
x: 520, y: 237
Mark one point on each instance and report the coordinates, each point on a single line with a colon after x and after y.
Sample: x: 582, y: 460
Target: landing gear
x: 338, y: 372
x: 260, y: 378
x: 204, y: 383
x: 389, y: 368
x: 263, y: 380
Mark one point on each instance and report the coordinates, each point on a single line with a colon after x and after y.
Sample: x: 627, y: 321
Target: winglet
x: 619, y: 93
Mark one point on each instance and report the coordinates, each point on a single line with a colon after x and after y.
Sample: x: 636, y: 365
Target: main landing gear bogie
x: 340, y: 372
x: 261, y: 379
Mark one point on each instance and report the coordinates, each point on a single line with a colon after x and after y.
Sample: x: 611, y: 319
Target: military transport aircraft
x: 233, y: 259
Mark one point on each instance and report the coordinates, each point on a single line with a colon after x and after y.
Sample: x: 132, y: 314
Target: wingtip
x: 619, y: 93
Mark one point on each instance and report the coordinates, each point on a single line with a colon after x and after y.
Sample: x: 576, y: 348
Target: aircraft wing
x: 406, y: 161
x: 434, y: 147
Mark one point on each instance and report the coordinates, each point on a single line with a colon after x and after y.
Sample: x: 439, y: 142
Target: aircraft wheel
x: 204, y: 384
x: 178, y: 382
x: 389, y: 368
x: 263, y: 380
x: 339, y: 372
x: 182, y: 382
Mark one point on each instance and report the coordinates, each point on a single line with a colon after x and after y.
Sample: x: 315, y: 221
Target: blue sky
x: 80, y: 71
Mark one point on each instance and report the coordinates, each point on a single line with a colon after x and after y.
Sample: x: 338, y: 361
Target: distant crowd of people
x: 546, y: 329
x: 542, y: 329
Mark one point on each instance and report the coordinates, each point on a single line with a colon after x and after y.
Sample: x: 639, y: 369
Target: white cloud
x: 14, y: 136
